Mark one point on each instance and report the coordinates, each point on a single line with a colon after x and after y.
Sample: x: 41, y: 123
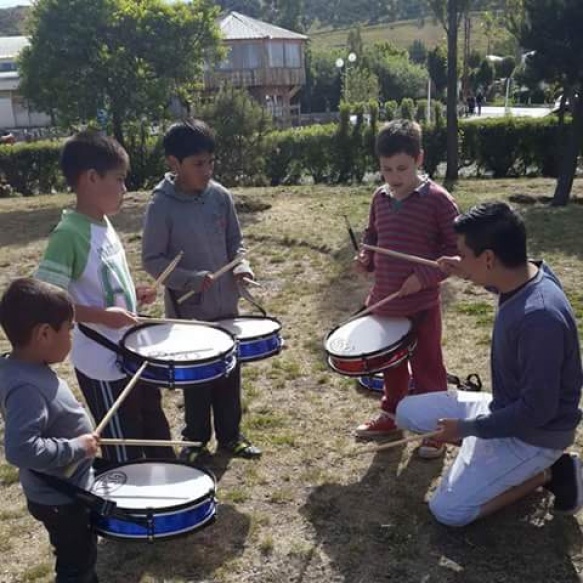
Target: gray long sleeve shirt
x: 43, y: 422
x: 536, y: 368
x: 206, y: 228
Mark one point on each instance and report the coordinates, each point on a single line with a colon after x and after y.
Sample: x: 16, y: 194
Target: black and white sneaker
x: 566, y: 484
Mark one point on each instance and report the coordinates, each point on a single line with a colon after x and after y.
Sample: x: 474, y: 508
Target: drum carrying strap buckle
x: 150, y: 524
x: 171, y: 375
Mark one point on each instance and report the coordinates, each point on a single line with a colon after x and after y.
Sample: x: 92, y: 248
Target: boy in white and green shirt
x: 85, y: 257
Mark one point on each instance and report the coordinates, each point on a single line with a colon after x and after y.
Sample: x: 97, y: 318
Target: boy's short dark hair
x: 495, y: 226
x: 399, y: 136
x: 91, y: 150
x: 29, y: 302
x: 188, y: 138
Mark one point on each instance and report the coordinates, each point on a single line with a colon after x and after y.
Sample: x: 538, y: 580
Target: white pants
x: 483, y: 468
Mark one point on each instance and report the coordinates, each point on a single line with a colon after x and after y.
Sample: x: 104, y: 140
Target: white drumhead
x: 152, y: 485
x: 246, y: 328
x: 367, y: 335
x: 179, y: 342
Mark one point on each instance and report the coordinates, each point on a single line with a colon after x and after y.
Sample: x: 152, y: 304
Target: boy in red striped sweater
x: 413, y: 215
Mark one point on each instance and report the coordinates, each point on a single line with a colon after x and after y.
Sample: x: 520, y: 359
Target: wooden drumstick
x: 399, y: 255
x: 221, y: 271
x: 150, y: 442
x: 122, y: 396
x: 371, y: 308
x: 392, y: 444
x: 190, y: 321
x: 248, y: 281
x: 72, y: 467
x: 169, y: 269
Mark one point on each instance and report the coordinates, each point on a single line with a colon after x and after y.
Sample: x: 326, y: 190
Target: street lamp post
x: 341, y: 64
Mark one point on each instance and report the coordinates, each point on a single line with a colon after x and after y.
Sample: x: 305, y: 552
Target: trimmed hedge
x: 31, y: 168
x: 333, y: 153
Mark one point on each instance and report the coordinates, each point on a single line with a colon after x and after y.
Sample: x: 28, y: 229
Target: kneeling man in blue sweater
x: 514, y: 439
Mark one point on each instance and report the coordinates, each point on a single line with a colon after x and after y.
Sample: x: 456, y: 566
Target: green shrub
x: 32, y: 168
x: 407, y: 110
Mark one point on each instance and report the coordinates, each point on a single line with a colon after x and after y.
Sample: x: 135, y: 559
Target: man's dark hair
x: 91, y: 150
x: 399, y: 136
x: 188, y: 138
x: 29, y: 302
x: 494, y: 226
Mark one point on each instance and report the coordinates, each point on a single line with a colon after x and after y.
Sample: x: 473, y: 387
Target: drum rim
x: 252, y: 317
x: 161, y: 509
x: 129, y: 353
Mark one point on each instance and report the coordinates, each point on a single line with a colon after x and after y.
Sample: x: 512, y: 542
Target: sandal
x: 242, y: 448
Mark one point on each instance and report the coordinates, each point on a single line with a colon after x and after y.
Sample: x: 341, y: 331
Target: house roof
x: 10, y: 46
x: 237, y: 26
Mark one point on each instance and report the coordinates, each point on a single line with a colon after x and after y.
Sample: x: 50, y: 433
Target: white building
x: 14, y: 110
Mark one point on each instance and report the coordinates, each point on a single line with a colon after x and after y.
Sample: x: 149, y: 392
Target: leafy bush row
x: 333, y: 153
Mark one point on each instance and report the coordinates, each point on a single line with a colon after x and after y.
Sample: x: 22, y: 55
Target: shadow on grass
x: 194, y: 557
x: 25, y: 226
x: 371, y: 529
x: 520, y: 543
x: 380, y: 529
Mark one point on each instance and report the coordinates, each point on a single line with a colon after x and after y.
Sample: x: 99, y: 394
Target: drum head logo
x: 341, y: 345
x: 109, y: 482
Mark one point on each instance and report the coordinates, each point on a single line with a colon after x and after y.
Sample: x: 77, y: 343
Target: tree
x: 418, y: 52
x: 449, y: 13
x: 551, y: 32
x: 360, y: 85
x: 437, y: 67
x: 126, y: 57
x: 250, y: 8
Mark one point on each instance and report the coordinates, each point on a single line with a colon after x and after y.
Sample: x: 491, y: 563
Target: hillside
x: 401, y: 34
x: 12, y: 20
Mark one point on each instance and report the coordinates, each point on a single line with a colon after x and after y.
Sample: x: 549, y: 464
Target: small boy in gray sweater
x: 46, y: 428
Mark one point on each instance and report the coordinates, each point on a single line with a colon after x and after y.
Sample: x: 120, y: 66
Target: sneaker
x: 431, y: 449
x: 241, y: 447
x: 194, y: 454
x: 381, y: 426
x: 566, y: 484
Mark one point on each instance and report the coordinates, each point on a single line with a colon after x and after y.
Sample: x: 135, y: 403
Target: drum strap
x: 473, y: 382
x: 95, y: 503
x: 245, y: 293
x: 100, y: 339
x: 90, y: 500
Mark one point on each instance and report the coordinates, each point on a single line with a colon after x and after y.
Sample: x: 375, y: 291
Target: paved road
x: 491, y: 111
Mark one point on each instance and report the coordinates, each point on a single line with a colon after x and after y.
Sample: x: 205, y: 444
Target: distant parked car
x: 7, y: 138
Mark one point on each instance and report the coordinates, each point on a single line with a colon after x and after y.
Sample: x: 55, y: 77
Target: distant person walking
x: 479, y: 101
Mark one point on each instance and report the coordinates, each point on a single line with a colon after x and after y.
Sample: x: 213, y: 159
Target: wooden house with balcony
x: 267, y: 60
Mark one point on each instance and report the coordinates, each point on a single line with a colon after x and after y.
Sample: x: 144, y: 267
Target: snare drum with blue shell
x: 155, y: 500
x: 178, y: 354
x: 373, y: 382
x: 258, y: 337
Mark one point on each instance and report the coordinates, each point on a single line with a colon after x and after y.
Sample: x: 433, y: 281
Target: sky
x: 9, y: 3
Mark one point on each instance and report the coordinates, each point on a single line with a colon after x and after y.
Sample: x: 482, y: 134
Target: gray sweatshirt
x: 43, y: 421
x: 207, y: 229
x: 536, y: 368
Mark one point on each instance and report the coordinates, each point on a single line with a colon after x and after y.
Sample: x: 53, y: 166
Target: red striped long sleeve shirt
x: 422, y: 225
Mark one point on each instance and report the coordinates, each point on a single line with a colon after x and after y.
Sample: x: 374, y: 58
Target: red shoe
x: 381, y: 426
x: 431, y: 449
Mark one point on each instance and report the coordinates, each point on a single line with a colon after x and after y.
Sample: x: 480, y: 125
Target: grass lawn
x: 307, y: 512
